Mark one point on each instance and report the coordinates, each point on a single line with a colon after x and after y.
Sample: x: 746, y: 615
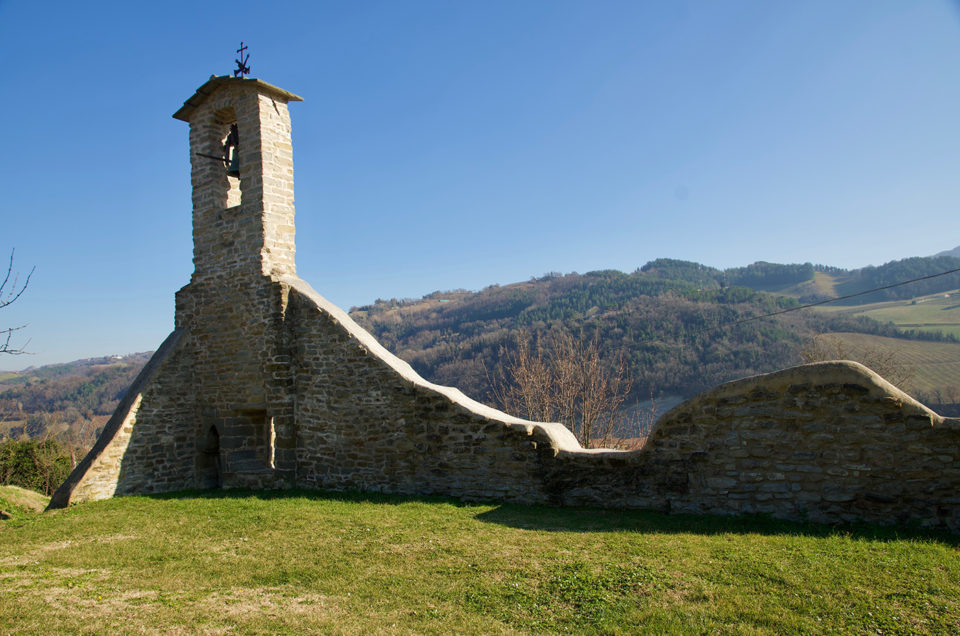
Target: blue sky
x: 459, y: 144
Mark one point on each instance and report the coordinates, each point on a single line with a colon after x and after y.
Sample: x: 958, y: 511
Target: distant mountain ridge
x: 74, y: 366
x: 810, y: 283
x: 955, y: 252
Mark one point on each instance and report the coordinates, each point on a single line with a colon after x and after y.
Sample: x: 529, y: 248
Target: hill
x: 71, y: 400
x: 937, y: 313
x: 811, y: 283
x: 675, y: 323
x: 955, y: 252
x: 20, y: 503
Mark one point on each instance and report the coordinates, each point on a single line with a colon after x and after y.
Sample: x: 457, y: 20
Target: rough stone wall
x: 826, y: 442
x: 367, y: 421
x: 130, y: 457
x: 163, y: 460
x: 241, y: 375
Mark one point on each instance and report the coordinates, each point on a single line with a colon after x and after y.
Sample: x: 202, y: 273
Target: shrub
x: 37, y: 465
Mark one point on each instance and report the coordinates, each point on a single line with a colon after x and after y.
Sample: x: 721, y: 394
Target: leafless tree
x: 10, y: 291
x: 557, y: 377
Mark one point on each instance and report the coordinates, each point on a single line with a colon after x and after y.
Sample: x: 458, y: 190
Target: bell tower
x: 233, y: 311
x: 241, y: 161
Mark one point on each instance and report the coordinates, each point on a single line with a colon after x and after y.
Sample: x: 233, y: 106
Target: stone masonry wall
x: 367, y: 421
x: 144, y: 446
x: 826, y: 442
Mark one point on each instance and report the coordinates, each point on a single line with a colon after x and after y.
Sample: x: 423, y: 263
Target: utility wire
x: 829, y: 300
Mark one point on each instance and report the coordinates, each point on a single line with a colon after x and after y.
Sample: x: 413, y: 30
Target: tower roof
x: 216, y: 81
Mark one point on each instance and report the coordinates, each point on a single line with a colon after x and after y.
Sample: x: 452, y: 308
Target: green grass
x: 20, y: 503
x: 308, y: 562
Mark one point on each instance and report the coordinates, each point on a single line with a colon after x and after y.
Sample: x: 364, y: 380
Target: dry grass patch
x: 17, y: 501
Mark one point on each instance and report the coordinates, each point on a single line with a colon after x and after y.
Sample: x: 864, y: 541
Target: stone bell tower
x: 233, y: 309
x: 242, y: 219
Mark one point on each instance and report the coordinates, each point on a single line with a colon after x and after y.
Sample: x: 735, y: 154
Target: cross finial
x: 242, y: 68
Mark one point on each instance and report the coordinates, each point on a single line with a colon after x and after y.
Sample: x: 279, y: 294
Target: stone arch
x: 227, y: 191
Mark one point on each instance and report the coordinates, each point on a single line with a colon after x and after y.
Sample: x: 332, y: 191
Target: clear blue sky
x: 458, y: 144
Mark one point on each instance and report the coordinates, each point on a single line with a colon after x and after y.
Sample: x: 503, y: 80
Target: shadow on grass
x: 351, y: 496
x: 578, y: 519
x: 644, y: 521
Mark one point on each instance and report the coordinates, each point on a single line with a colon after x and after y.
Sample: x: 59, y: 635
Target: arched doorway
x: 208, y: 462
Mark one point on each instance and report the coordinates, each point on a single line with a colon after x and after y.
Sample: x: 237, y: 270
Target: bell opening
x: 229, y: 142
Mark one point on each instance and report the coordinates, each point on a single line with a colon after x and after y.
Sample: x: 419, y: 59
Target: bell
x: 230, y: 153
x: 231, y: 156
x: 233, y: 167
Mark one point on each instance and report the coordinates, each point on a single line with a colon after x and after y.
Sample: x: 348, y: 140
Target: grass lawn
x: 318, y: 562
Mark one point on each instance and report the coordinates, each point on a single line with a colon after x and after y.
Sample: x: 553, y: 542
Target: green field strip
x: 934, y: 365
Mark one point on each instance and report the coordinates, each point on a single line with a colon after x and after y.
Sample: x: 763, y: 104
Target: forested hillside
x: 790, y: 279
x: 675, y: 323
x: 896, y: 271
x: 70, y: 400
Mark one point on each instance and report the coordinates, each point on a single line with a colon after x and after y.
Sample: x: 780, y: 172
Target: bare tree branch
x: 8, y: 296
x: 556, y: 377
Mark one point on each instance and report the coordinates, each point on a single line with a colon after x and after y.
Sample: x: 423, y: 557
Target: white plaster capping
x: 559, y: 435
x: 816, y: 373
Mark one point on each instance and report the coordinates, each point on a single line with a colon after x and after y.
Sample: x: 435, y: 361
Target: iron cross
x: 242, y: 68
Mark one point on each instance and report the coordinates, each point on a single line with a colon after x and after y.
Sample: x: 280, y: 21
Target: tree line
x: 675, y: 336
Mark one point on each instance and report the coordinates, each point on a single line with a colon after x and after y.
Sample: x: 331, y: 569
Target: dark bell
x: 233, y: 167
x: 231, y: 154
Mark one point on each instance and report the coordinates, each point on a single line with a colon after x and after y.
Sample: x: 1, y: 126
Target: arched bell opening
x: 222, y: 148
x: 209, y: 472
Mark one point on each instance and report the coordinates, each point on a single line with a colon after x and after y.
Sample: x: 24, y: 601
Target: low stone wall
x: 829, y: 442
x: 826, y: 442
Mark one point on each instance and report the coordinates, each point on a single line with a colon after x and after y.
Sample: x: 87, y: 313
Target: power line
x: 829, y: 300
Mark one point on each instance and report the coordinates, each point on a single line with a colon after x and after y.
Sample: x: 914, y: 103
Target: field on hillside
x: 933, y: 365
x: 350, y: 564
x: 936, y: 313
x: 822, y: 285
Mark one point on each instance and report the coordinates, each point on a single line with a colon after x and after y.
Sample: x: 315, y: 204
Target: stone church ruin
x: 264, y: 384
